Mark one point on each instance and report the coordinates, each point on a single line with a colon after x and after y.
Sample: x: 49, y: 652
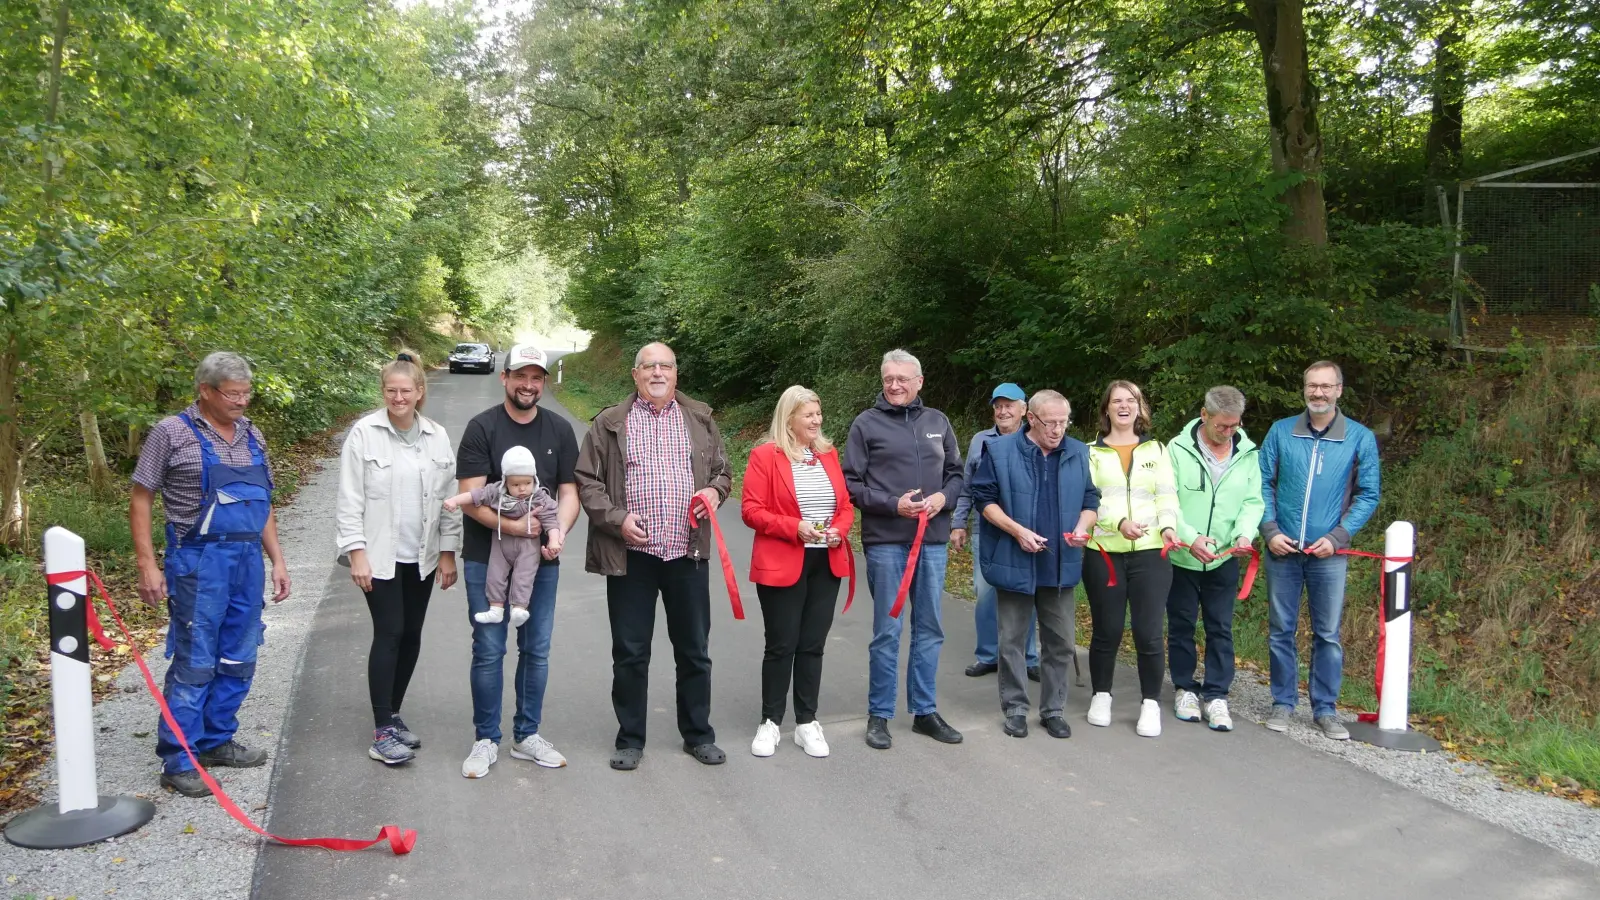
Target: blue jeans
x: 885, y: 564
x: 986, y: 617
x: 1322, y: 581
x: 489, y: 651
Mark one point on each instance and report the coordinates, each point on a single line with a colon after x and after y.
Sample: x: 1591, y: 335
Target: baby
x: 514, y: 558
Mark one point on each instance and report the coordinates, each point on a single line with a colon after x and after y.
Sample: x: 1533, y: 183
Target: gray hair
x: 1338, y: 373
x: 1046, y: 396
x: 901, y: 357
x: 638, y: 357
x: 1225, y: 400
x: 223, y: 365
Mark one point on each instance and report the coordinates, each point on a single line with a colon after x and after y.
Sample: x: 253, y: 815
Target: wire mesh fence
x: 1528, y: 262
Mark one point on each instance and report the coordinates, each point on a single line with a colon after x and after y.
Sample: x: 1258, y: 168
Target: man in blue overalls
x: 209, y: 464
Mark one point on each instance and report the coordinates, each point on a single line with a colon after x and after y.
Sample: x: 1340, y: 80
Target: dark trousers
x: 1143, y: 582
x: 1212, y: 594
x: 685, y: 590
x: 398, y: 606
x: 797, y: 619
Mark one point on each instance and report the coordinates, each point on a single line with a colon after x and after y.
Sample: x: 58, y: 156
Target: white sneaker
x: 484, y: 754
x: 538, y: 750
x: 1217, y: 715
x: 1100, y: 709
x: 809, y: 737
x: 490, y: 616
x: 1149, y: 719
x: 1186, y: 707
x: 518, y: 616
x: 766, y: 742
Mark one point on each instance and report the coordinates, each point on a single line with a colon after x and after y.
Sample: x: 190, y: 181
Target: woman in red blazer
x: 795, y: 499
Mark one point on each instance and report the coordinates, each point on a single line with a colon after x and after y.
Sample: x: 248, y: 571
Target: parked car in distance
x: 472, y: 357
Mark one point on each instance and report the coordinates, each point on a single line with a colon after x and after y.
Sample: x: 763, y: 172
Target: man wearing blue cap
x: 1010, y: 404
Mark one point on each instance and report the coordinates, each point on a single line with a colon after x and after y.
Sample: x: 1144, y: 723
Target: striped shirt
x: 659, y: 478
x: 814, y: 491
x: 169, y: 464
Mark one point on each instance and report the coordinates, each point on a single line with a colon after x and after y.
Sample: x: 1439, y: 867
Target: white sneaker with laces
x: 538, y: 750
x: 1217, y: 715
x: 766, y: 742
x: 1186, y: 707
x: 1100, y: 709
x: 1149, y: 719
x: 490, y: 616
x: 809, y: 737
x: 518, y: 616
x: 484, y: 754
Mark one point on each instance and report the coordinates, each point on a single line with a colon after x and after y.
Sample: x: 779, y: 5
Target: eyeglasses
x: 1323, y: 388
x: 234, y: 396
x: 899, y: 379
x: 656, y: 367
x: 1051, y: 425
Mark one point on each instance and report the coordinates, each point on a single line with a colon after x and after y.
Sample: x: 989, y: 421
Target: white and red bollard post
x: 560, y: 367
x: 80, y: 815
x: 1394, y: 699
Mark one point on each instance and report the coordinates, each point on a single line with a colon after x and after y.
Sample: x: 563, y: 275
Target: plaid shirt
x: 169, y: 464
x: 660, y: 479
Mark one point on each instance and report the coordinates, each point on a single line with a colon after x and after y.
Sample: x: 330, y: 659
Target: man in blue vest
x: 1039, y: 505
x: 209, y: 464
x: 1319, y: 483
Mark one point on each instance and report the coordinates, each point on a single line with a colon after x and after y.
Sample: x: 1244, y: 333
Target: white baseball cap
x: 526, y: 355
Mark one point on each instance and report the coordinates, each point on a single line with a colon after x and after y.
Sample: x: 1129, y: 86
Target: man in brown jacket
x: 642, y: 463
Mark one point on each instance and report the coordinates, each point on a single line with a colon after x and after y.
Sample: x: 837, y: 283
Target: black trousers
x: 1212, y: 595
x: 685, y: 590
x: 1143, y: 582
x: 398, y: 606
x: 797, y: 619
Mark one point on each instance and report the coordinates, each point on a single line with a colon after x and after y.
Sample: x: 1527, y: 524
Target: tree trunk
x: 12, y: 515
x: 1292, y: 113
x: 1443, y: 149
x: 102, y: 482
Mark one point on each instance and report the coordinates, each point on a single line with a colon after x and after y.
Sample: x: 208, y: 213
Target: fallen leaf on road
x: 188, y: 828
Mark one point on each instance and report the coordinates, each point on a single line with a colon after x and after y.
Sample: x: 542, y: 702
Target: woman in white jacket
x: 396, y: 470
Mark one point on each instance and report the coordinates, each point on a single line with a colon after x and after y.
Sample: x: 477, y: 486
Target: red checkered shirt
x: 660, y: 479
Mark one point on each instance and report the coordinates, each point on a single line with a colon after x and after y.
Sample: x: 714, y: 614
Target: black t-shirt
x: 488, y: 436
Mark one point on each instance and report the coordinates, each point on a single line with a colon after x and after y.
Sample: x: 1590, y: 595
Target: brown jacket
x: 601, y: 466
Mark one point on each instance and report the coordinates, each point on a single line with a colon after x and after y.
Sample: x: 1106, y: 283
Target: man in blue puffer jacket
x: 1319, y: 481
x: 1038, y: 504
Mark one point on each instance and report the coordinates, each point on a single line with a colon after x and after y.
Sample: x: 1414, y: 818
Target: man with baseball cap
x: 1010, y: 404
x: 515, y: 422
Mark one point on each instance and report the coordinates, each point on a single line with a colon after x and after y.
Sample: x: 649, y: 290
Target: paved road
x: 1104, y: 815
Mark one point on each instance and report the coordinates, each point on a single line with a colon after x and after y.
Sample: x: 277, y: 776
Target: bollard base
x: 1410, y: 740
x: 47, y: 828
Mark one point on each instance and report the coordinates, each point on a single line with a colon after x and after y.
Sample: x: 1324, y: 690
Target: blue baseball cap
x: 1008, y: 391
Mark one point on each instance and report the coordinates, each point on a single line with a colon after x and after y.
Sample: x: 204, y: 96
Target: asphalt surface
x: 1106, y: 814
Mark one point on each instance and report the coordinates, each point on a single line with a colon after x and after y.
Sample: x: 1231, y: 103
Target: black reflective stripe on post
x: 69, y: 626
x: 1397, y: 600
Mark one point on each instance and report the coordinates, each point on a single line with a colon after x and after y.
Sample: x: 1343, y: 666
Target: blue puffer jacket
x: 1006, y: 476
x: 1318, y: 487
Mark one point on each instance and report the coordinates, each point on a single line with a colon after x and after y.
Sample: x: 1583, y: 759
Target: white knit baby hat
x: 518, y: 461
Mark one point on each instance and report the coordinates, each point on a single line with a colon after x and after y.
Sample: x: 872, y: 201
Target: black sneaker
x: 186, y: 783
x: 404, y: 733
x: 933, y: 725
x: 980, y: 669
x: 1017, y: 726
x: 232, y: 755
x: 878, y: 733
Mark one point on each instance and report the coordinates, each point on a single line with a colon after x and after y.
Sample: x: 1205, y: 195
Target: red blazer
x: 769, y: 505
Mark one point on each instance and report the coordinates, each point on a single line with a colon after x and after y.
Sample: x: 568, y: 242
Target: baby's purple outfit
x: 514, y: 558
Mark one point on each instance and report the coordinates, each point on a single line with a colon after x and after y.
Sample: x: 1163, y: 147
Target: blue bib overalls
x: 215, y: 582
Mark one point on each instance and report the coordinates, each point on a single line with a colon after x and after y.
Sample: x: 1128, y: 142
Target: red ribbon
x: 1383, y: 625
x: 400, y: 841
x: 850, y: 554
x: 728, y: 575
x: 911, y: 567
x: 1250, y: 570
x: 1111, y: 570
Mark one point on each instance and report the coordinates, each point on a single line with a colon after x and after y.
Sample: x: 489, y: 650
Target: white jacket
x: 366, y: 517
